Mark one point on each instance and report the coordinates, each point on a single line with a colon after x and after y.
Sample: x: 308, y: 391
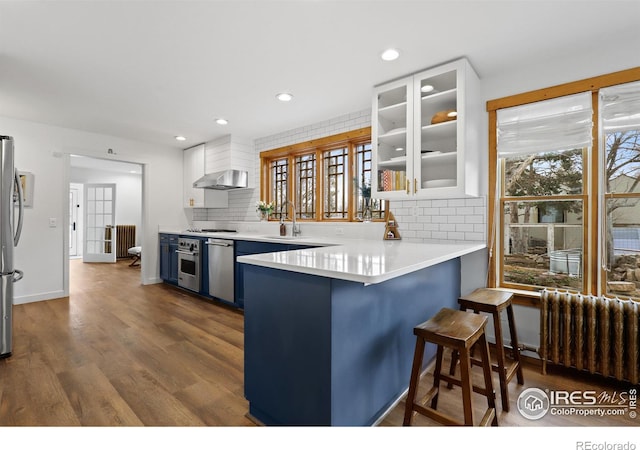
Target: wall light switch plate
x: 53, y: 222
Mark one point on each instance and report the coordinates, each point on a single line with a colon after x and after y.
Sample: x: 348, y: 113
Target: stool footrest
x: 510, y: 370
x: 429, y: 395
x: 488, y: 417
x: 441, y: 417
x: 450, y: 380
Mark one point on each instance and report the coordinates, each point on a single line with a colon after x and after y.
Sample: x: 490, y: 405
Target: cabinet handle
x: 408, y: 187
x: 415, y: 185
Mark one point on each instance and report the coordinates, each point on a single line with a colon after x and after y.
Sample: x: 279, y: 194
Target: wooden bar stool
x: 457, y: 330
x: 493, y: 302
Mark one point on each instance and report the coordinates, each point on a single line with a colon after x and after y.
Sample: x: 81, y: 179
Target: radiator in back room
x: 125, y: 238
x: 590, y: 333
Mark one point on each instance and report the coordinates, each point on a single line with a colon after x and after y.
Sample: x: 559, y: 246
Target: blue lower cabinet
x: 204, y: 267
x: 168, y: 258
x: 321, y: 351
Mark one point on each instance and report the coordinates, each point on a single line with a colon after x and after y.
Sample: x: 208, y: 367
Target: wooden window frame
x: 349, y: 140
x: 593, y: 273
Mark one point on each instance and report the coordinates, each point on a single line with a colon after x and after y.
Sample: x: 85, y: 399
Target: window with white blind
x: 565, y: 192
x: 620, y: 129
x: 542, y: 148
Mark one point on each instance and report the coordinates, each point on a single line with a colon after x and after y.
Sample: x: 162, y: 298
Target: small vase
x: 264, y: 215
x: 366, y: 210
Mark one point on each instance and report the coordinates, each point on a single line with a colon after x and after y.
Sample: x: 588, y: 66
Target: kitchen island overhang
x: 324, y: 349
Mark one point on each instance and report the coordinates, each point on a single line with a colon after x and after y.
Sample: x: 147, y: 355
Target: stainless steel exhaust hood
x: 225, y: 180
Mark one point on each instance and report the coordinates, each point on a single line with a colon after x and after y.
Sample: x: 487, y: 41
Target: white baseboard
x: 154, y: 280
x: 38, y: 297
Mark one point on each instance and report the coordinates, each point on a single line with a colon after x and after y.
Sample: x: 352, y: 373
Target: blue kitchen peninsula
x: 329, y: 331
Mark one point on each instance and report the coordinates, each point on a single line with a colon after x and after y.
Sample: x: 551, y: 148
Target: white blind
x: 562, y: 123
x: 620, y: 107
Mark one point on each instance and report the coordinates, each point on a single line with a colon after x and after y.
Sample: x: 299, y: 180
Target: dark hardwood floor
x: 119, y: 353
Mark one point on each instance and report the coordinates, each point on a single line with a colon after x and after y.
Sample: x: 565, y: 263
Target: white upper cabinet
x: 425, y: 133
x: 193, y: 163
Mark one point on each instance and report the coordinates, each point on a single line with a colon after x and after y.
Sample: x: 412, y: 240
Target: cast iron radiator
x: 590, y: 333
x: 125, y: 239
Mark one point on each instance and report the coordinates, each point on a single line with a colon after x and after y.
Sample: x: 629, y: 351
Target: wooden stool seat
x: 459, y: 331
x: 494, y: 302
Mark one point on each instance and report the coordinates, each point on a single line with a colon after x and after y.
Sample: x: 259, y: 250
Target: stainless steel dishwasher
x: 221, y: 269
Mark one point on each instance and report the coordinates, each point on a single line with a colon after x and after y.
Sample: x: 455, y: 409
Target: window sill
x: 523, y: 297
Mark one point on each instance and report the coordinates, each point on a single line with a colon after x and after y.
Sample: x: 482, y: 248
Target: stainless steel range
x: 189, y: 263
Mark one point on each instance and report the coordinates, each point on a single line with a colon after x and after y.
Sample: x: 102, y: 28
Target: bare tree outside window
x: 543, y: 232
x: 622, y: 221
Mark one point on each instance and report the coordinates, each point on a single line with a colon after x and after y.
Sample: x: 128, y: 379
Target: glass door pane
x: 438, y: 112
x: 100, y: 231
x: 393, y: 143
x: 542, y: 244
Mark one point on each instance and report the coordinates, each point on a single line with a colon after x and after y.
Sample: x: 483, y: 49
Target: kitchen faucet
x: 295, y: 229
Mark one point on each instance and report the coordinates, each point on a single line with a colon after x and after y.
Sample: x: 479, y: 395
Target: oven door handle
x: 182, y: 252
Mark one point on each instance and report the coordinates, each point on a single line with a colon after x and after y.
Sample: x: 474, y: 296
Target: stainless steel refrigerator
x: 11, y: 213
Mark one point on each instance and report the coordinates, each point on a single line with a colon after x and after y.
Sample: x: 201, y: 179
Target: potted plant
x: 264, y: 209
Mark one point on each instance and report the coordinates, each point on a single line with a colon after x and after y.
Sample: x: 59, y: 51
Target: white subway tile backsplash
x: 440, y: 235
x: 474, y: 219
x: 465, y: 211
x: 456, y: 219
x: 439, y: 203
x: 474, y: 237
x: 456, y: 202
x: 479, y: 227
x: 465, y: 227
x: 478, y: 201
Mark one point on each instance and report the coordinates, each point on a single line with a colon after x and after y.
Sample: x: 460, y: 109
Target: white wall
x: 128, y: 193
x: 43, y: 150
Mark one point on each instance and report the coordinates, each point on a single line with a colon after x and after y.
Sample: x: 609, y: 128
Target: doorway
x: 103, y: 195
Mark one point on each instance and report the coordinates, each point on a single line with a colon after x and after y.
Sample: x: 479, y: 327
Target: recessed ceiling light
x: 284, y: 97
x: 222, y: 121
x: 427, y: 88
x: 390, y: 54
x: 181, y: 138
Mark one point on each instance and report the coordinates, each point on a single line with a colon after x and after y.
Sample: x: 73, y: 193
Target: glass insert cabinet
x: 425, y: 134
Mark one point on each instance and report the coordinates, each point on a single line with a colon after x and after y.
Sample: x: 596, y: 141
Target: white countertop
x: 363, y: 261
x: 360, y: 260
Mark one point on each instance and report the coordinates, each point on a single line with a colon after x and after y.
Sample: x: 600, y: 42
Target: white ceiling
x: 150, y: 70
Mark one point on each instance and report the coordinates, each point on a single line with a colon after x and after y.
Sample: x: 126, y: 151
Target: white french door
x: 99, y: 223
